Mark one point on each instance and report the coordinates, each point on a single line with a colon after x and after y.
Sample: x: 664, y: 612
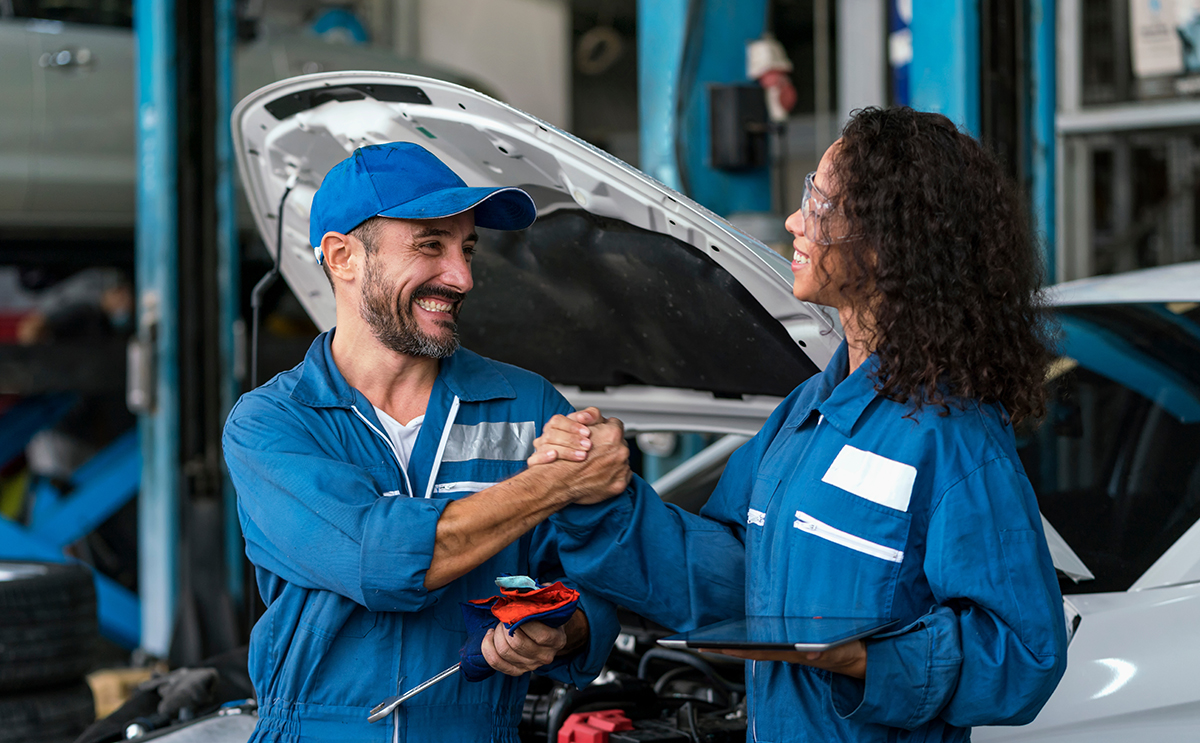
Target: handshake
x: 589, y: 452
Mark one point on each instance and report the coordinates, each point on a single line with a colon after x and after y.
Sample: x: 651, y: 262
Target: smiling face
x: 415, y: 277
x: 816, y: 262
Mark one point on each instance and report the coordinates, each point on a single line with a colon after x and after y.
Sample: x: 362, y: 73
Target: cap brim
x: 507, y: 208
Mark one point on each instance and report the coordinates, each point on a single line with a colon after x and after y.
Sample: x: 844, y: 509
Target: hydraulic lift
x: 187, y: 295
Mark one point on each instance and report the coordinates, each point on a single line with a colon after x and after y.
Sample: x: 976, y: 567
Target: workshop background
x: 127, y: 257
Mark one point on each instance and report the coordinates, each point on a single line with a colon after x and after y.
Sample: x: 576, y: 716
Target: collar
x: 472, y: 378
x: 840, y: 398
x: 467, y: 375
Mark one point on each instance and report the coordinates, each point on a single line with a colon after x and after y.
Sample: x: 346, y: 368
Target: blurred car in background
x: 67, y: 126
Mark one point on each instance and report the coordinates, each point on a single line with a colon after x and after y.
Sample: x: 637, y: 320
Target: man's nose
x: 456, y: 271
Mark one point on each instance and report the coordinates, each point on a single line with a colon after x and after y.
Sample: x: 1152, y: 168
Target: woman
x: 889, y: 485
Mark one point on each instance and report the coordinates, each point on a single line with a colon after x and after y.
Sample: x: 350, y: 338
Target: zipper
x: 390, y: 445
x: 396, y: 455
x: 754, y: 712
x: 437, y: 462
x: 437, y: 458
x: 759, y: 518
x: 466, y: 486
x: 807, y: 523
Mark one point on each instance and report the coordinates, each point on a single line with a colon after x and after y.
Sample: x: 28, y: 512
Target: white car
x: 67, y: 128
x: 1116, y: 467
x: 631, y: 297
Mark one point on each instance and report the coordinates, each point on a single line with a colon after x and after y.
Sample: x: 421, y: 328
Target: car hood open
x: 620, y: 282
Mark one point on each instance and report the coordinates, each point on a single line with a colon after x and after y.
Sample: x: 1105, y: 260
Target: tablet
x: 778, y: 633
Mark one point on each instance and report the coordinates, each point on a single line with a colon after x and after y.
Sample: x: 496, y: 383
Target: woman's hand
x: 565, y: 437
x: 849, y: 659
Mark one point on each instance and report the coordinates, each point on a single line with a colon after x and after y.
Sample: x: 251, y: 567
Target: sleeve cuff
x: 906, y: 681
x: 579, y: 520
x: 397, y: 552
x: 582, y: 668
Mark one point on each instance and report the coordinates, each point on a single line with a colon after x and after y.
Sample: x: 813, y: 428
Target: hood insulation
x: 593, y: 302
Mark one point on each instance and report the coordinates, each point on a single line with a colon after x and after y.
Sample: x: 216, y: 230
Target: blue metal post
x: 1044, y: 77
x: 721, y: 28
x: 157, y: 282
x: 228, y: 262
x: 661, y: 26
x: 945, y: 69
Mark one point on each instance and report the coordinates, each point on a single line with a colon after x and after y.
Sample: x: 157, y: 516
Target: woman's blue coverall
x: 850, y: 504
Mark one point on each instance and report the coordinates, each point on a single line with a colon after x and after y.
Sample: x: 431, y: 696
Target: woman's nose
x: 795, y: 223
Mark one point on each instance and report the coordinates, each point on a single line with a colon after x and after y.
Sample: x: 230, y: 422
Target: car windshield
x: 1116, y: 462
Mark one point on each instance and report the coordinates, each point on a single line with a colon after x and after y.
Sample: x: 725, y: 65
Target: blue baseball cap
x: 406, y: 181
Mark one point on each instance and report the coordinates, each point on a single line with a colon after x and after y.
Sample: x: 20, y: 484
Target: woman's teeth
x: 434, y: 306
x: 798, y: 257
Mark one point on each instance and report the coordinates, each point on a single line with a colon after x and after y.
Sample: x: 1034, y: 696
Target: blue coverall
x: 850, y: 504
x: 341, y: 537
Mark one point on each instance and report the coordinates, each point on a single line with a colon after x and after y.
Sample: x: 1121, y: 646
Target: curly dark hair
x: 944, y: 253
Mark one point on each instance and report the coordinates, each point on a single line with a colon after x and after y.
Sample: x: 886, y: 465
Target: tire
x: 48, y: 625
x: 55, y: 715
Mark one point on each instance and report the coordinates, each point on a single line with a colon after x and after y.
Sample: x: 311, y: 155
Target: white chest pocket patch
x: 756, y: 517
x: 868, y: 475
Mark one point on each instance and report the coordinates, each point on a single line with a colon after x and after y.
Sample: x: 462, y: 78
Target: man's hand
x: 533, y: 645
x: 849, y: 659
x: 565, y: 437
x: 605, y: 472
x: 590, y: 452
x: 474, y: 528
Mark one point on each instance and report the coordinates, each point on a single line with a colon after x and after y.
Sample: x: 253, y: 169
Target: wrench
x: 387, y: 706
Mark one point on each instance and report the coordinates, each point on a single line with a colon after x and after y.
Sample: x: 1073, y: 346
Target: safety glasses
x: 814, y: 207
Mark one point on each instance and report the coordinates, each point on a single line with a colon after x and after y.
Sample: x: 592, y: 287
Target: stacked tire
x: 48, y: 636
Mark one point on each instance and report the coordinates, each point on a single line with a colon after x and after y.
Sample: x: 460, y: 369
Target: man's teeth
x: 799, y: 257
x: 434, y: 306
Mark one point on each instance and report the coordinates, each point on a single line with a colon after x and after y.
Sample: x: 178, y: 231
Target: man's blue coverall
x: 849, y: 504
x: 341, y: 537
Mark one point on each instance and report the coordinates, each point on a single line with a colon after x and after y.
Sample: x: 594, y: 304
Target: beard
x: 395, y: 326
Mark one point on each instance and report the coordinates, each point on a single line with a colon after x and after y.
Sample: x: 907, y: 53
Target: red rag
x: 514, y: 605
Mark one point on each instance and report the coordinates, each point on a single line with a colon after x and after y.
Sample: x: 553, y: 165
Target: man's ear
x: 340, y: 254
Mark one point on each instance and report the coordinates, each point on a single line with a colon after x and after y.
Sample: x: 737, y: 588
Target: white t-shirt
x: 403, y: 437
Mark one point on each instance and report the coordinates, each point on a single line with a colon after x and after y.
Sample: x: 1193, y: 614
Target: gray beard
x: 395, y: 327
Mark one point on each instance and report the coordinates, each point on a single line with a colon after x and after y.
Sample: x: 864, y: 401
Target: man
x: 382, y: 481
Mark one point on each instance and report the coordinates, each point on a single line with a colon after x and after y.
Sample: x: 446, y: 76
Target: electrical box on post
x: 737, y: 117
